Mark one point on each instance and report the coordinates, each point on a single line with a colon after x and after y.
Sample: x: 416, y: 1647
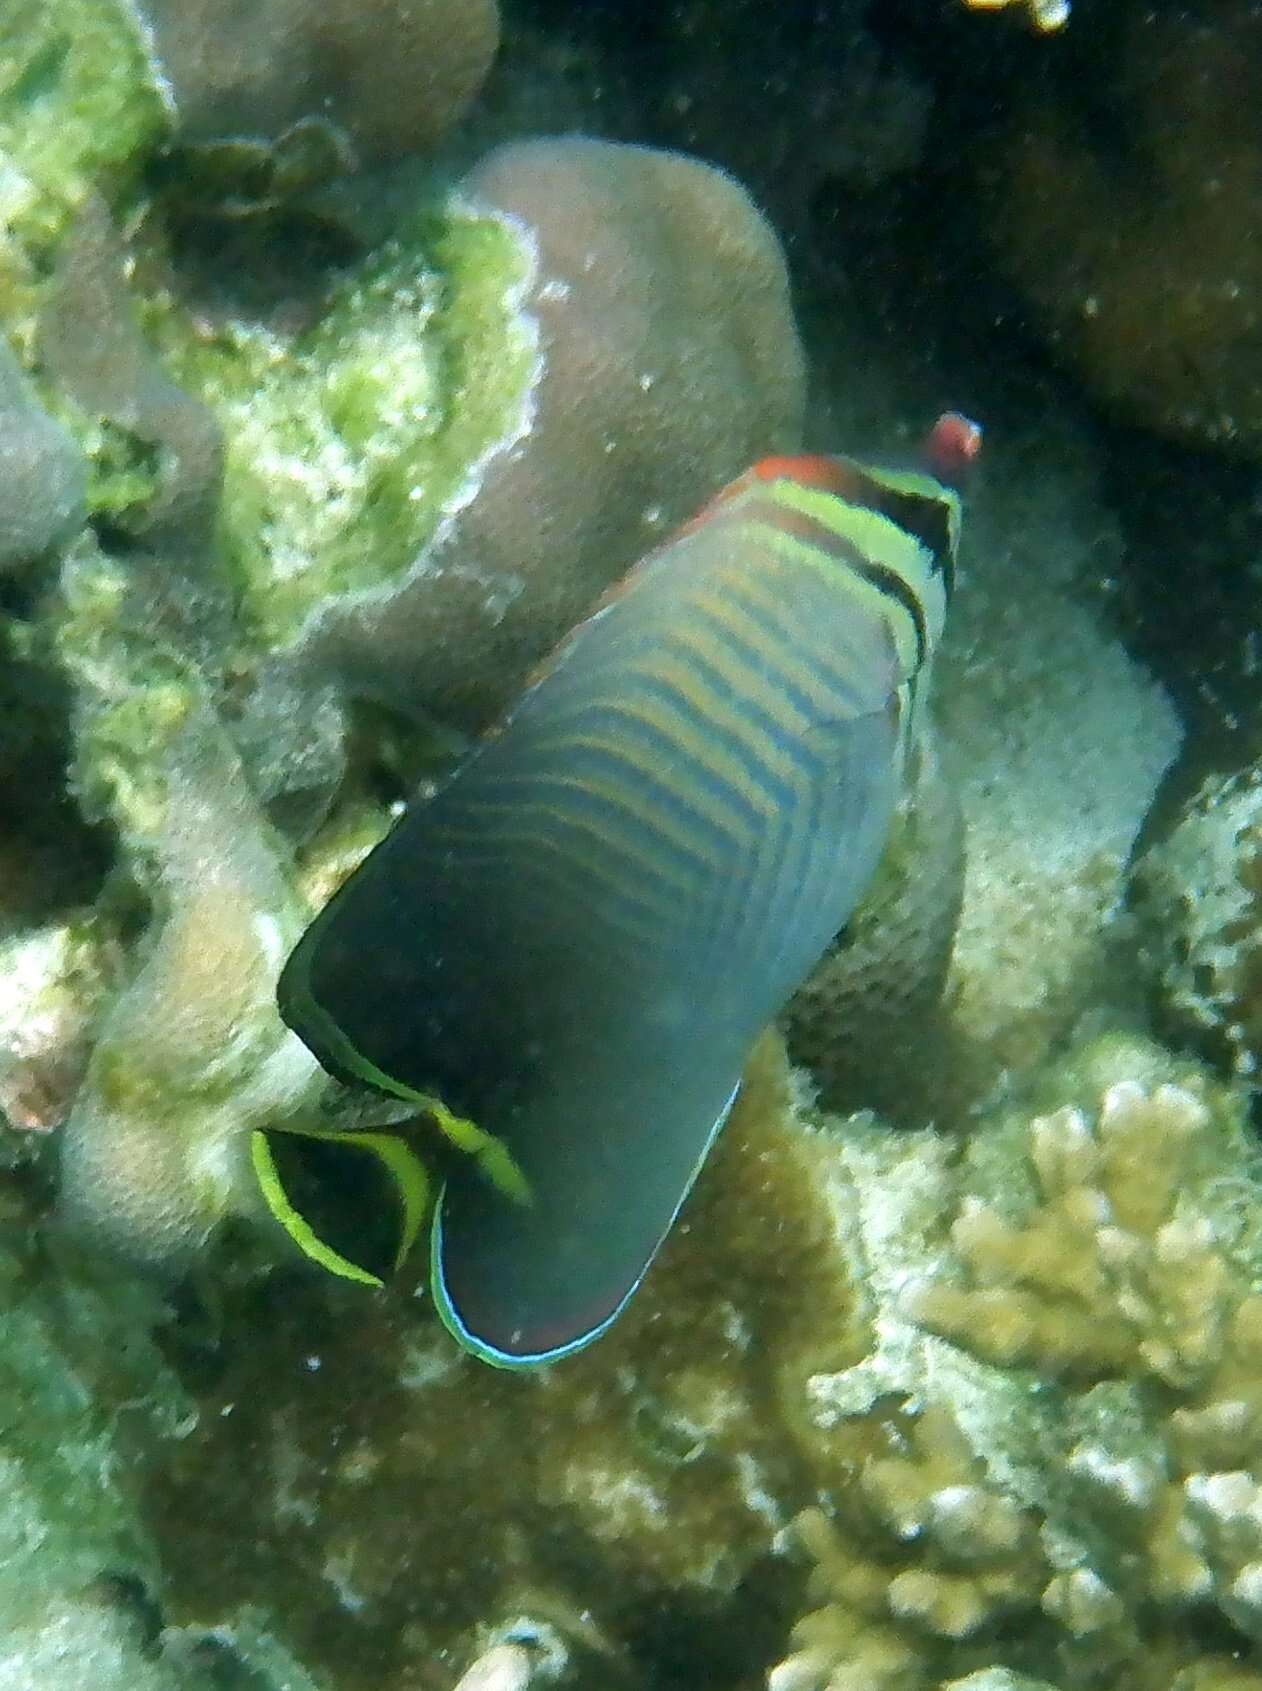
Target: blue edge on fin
x: 504, y: 1359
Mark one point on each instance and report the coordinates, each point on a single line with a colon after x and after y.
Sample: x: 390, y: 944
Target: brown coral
x: 393, y: 75
x: 891, y: 1620
x: 1134, y: 242
x: 643, y: 1479
x: 660, y: 377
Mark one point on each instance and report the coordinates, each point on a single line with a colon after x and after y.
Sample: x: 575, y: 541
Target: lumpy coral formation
x: 647, y: 381
x: 192, y: 1053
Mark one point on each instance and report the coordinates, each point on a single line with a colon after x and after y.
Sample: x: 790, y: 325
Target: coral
x: 86, y: 1398
x: 348, y: 443
x: 1199, y: 896
x: 394, y: 77
x: 975, y: 1559
x: 1116, y: 1271
x: 1130, y: 236
x: 192, y: 1053
x: 638, y: 1481
x: 496, y: 413
x: 1054, y: 782
x: 1072, y: 1487
x: 644, y: 382
x: 155, y: 452
x: 52, y: 981
x: 80, y: 109
x: 782, y: 73
x: 864, y: 1019
x: 41, y: 473
x: 1006, y: 1387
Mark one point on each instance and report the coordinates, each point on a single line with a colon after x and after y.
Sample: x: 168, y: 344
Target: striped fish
x: 575, y: 942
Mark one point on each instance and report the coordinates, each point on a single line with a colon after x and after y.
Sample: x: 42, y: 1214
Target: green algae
x: 124, y: 470
x: 349, y: 442
x: 80, y: 109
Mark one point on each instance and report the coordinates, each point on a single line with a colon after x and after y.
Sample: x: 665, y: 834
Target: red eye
x: 952, y: 445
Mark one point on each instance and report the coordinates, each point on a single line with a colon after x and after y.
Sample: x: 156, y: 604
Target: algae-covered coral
x: 301, y: 472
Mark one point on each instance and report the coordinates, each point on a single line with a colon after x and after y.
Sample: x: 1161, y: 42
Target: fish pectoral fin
x: 491, y: 1154
x: 403, y: 1168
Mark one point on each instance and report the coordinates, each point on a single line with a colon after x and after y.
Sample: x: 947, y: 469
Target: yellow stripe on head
x: 890, y: 569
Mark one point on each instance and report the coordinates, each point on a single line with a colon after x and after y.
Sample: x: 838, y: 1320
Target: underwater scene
x: 630, y: 845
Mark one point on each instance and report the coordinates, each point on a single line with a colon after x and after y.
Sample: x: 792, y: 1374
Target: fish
x: 566, y: 952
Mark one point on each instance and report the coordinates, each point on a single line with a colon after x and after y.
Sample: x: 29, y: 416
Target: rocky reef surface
x: 342, y: 370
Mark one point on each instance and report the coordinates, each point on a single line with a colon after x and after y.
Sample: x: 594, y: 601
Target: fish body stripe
x: 881, y: 551
x: 710, y: 749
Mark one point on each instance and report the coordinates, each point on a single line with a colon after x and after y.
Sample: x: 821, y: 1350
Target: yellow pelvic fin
x: 404, y: 1168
